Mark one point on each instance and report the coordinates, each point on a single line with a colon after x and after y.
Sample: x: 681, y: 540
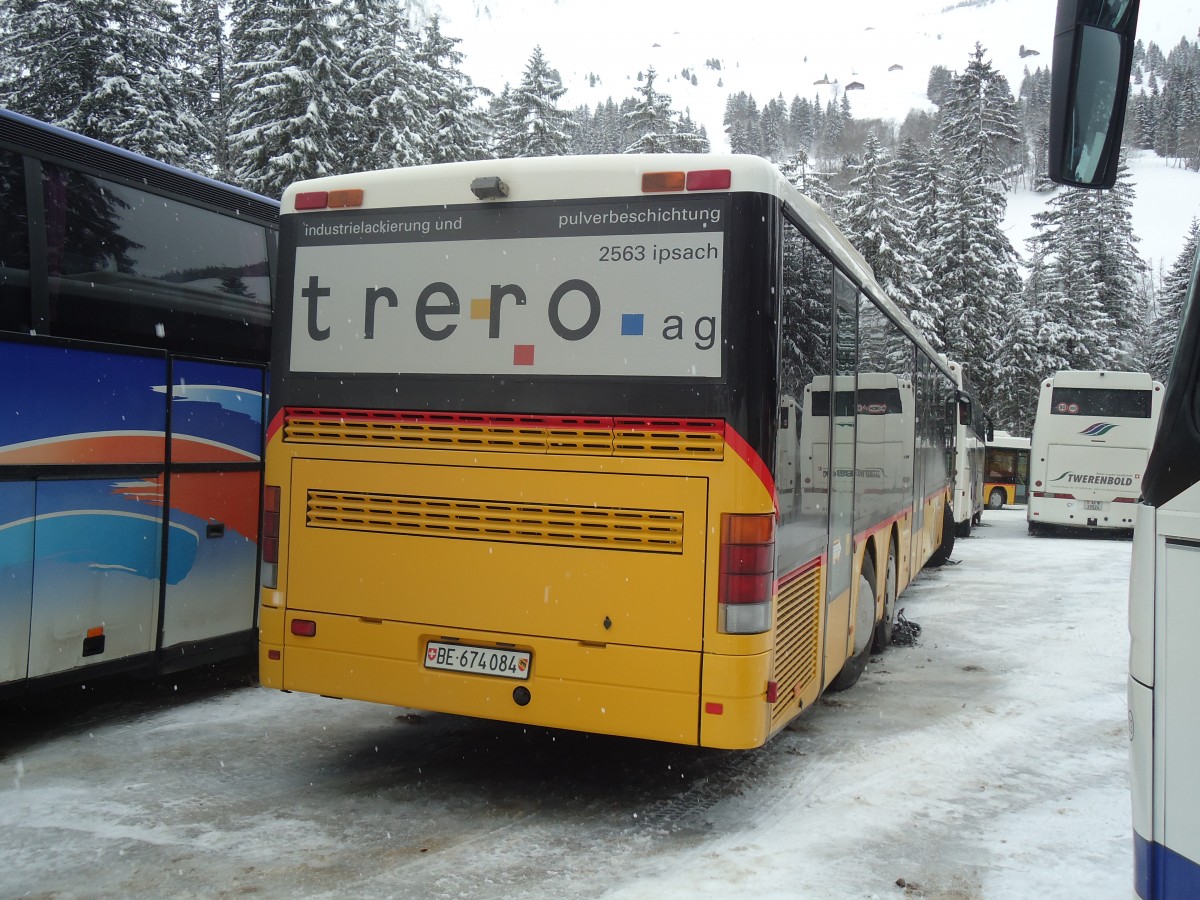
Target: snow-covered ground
x: 989, y: 761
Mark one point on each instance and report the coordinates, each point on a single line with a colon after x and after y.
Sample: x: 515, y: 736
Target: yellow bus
x: 1006, y: 470
x: 533, y: 451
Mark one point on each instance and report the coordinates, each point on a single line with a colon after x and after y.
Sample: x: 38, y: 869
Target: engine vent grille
x: 654, y: 531
x: 798, y: 644
x: 586, y: 435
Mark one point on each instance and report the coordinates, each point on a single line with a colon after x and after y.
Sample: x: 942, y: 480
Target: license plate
x: 1093, y: 504
x: 480, y: 660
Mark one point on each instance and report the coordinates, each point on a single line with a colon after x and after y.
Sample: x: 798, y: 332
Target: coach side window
x: 806, y: 359
x: 14, y: 244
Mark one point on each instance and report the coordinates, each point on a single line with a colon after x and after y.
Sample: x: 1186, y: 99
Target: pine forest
x: 261, y: 93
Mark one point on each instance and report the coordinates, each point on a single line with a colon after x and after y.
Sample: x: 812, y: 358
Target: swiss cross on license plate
x: 495, y: 661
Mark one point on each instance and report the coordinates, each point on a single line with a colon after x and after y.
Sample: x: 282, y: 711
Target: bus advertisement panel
x: 531, y: 457
x: 135, y: 304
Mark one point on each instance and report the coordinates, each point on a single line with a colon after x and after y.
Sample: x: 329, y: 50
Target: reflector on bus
x: 312, y: 200
x: 697, y: 180
x: 709, y: 180
x: 342, y: 199
x: 304, y: 627
x: 345, y: 198
x: 653, y: 182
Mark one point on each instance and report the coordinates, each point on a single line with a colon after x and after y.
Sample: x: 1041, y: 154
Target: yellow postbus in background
x: 534, y: 447
x: 1006, y: 470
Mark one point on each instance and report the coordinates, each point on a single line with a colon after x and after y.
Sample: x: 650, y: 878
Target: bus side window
x: 14, y: 245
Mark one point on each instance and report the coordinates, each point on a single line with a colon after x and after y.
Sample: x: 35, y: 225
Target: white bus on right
x: 1091, y: 440
x: 1094, y: 46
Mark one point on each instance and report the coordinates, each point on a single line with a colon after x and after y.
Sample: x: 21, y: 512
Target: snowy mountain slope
x: 772, y: 47
x: 767, y: 47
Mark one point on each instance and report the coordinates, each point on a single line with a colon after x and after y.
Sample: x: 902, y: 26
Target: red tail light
x: 270, y: 537
x: 747, y: 574
x: 270, y: 532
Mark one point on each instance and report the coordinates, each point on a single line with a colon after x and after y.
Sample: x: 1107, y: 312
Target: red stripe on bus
x: 276, y: 423
x: 880, y: 526
x: 784, y: 580
x: 639, y: 423
x: 940, y: 492
x: 739, y: 446
x: 448, y: 418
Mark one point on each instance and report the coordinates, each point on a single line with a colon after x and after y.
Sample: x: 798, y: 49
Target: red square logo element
x: 523, y: 354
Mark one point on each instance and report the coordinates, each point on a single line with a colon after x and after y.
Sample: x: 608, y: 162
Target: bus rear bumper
x: 641, y: 692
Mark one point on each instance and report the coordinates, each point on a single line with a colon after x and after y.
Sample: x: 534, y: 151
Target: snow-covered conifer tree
x: 458, y: 131
x: 291, y: 100
x: 531, y: 124
x: 1171, y: 295
x: 1086, y: 238
x: 881, y: 231
x: 973, y: 263
x: 390, y: 108
x: 206, y: 57
x: 649, y: 125
x: 108, y: 69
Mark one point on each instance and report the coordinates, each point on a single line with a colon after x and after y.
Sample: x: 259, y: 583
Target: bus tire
x: 942, y: 554
x: 864, y: 630
x: 962, y: 529
x: 996, y: 499
x: 887, y: 622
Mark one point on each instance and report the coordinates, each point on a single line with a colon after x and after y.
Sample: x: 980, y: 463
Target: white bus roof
x: 1005, y: 440
x: 1100, y: 379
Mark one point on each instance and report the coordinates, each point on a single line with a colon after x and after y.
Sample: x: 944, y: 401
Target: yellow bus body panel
x: 606, y: 689
x: 734, y: 715
x: 603, y: 594
x: 623, y: 632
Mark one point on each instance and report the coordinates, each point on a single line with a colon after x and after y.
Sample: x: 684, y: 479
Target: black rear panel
x: 749, y: 352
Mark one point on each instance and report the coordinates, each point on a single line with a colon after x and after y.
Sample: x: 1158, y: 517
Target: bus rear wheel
x: 996, y: 499
x: 883, y: 629
x: 941, y: 555
x: 864, y: 630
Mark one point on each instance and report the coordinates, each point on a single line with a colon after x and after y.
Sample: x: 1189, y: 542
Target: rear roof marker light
x: 709, y: 180
x: 345, y: 198
x: 657, y: 182
x: 312, y: 200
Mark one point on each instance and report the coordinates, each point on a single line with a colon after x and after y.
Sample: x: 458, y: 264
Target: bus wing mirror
x: 1093, y: 54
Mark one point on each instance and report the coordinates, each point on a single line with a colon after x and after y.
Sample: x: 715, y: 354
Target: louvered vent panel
x: 580, y: 435
x: 696, y: 438
x: 654, y: 531
x: 797, y: 640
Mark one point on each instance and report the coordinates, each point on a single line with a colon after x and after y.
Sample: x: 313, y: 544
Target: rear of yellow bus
x: 518, y: 417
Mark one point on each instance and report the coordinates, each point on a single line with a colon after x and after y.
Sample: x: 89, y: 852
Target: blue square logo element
x: 632, y: 323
